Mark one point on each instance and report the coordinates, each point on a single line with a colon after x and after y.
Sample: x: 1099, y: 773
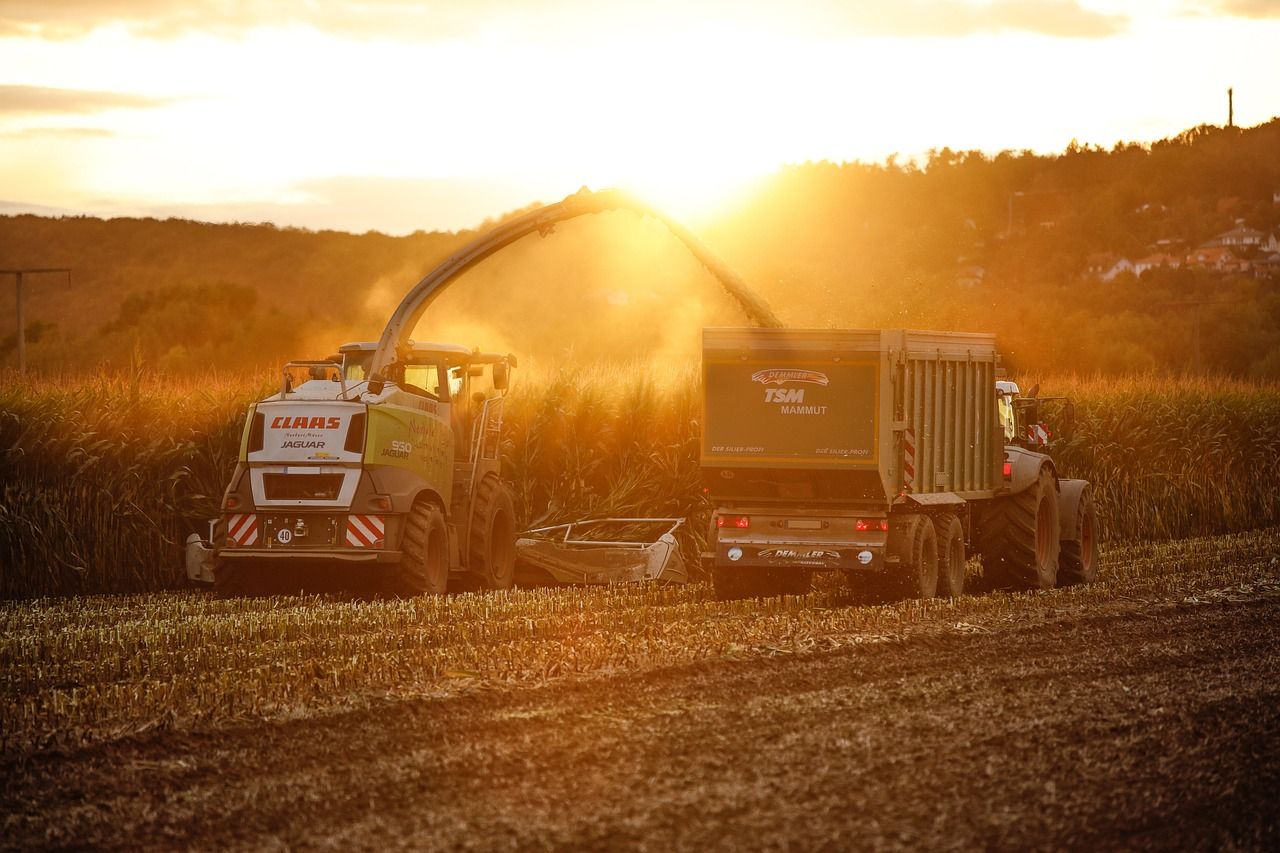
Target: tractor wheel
x: 424, y: 567
x: 1078, y: 558
x: 951, y: 562
x: 1019, y: 540
x: 492, y: 553
x: 913, y: 541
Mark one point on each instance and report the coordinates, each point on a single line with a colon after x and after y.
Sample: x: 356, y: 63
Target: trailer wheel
x: 913, y: 541
x: 951, y: 562
x: 1078, y: 559
x: 492, y: 552
x: 424, y: 568
x: 1019, y: 540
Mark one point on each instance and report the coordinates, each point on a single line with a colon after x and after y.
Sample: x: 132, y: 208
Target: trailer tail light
x: 1008, y: 470
x: 862, y: 525
x: 230, y: 502
x: 741, y: 522
x: 380, y: 502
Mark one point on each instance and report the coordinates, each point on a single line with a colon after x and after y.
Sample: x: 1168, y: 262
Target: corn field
x: 103, y: 478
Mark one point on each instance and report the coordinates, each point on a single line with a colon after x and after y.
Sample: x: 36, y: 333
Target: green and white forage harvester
x: 388, y: 482
x: 891, y: 455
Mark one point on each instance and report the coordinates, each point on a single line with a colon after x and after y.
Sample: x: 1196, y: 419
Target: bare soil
x: 1138, y: 725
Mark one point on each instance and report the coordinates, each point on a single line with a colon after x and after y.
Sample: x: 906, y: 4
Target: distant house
x: 1217, y: 259
x: 1099, y: 262
x: 1267, y: 267
x: 1157, y: 261
x: 1122, y: 265
x: 1271, y: 245
x: 1238, y: 238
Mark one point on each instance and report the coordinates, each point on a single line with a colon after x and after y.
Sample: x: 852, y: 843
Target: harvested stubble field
x: 1138, y: 712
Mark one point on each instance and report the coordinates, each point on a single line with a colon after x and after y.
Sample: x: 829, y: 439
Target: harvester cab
x: 390, y: 482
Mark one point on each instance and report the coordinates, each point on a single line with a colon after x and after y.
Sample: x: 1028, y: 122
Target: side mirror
x: 1035, y: 389
x: 501, y: 376
x: 376, y: 383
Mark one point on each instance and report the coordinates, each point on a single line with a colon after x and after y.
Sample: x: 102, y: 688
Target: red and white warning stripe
x: 366, y: 531
x: 242, y: 529
x: 908, y: 459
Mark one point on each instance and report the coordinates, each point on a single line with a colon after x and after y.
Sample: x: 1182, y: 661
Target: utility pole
x: 22, y: 323
x: 1231, y: 109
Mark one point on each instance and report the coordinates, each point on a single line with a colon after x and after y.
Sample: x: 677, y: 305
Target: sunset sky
x: 400, y: 116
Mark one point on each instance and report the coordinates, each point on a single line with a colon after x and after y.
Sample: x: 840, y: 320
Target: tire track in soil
x: 1147, y: 729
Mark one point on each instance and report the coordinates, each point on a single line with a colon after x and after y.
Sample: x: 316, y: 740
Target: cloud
x: 59, y: 133
x: 937, y: 18
x: 1249, y: 8
x: 408, y: 20
x: 393, y: 205
x: 41, y: 100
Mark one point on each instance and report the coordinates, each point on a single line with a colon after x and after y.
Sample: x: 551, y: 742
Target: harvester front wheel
x: 424, y: 567
x: 950, y: 534
x: 492, y: 552
x: 1078, y: 558
x: 1020, y: 537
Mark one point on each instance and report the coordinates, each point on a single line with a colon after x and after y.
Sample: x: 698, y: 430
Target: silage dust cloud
x: 613, y: 288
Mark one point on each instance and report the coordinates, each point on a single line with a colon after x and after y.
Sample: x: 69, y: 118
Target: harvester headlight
x: 735, y: 554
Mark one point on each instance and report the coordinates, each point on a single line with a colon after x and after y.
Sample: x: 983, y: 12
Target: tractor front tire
x: 492, y: 551
x: 1078, y: 558
x: 1019, y: 540
x: 424, y: 567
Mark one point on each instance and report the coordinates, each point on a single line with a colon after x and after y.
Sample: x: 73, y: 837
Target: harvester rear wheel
x: 913, y: 541
x: 1019, y: 540
x: 492, y: 553
x: 424, y: 568
x: 1078, y: 559
x: 951, y: 563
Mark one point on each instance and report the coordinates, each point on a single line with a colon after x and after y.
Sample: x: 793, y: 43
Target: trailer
x: 891, y: 455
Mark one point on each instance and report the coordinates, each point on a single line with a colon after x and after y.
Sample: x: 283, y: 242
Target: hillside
x: 1048, y: 251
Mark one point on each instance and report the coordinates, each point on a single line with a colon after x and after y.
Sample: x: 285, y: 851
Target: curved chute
x: 543, y: 220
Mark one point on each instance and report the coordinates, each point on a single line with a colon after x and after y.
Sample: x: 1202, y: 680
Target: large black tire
x: 492, y: 551
x: 231, y: 578
x: 1019, y: 538
x: 951, y: 563
x: 913, y: 541
x: 1078, y: 559
x: 424, y: 566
